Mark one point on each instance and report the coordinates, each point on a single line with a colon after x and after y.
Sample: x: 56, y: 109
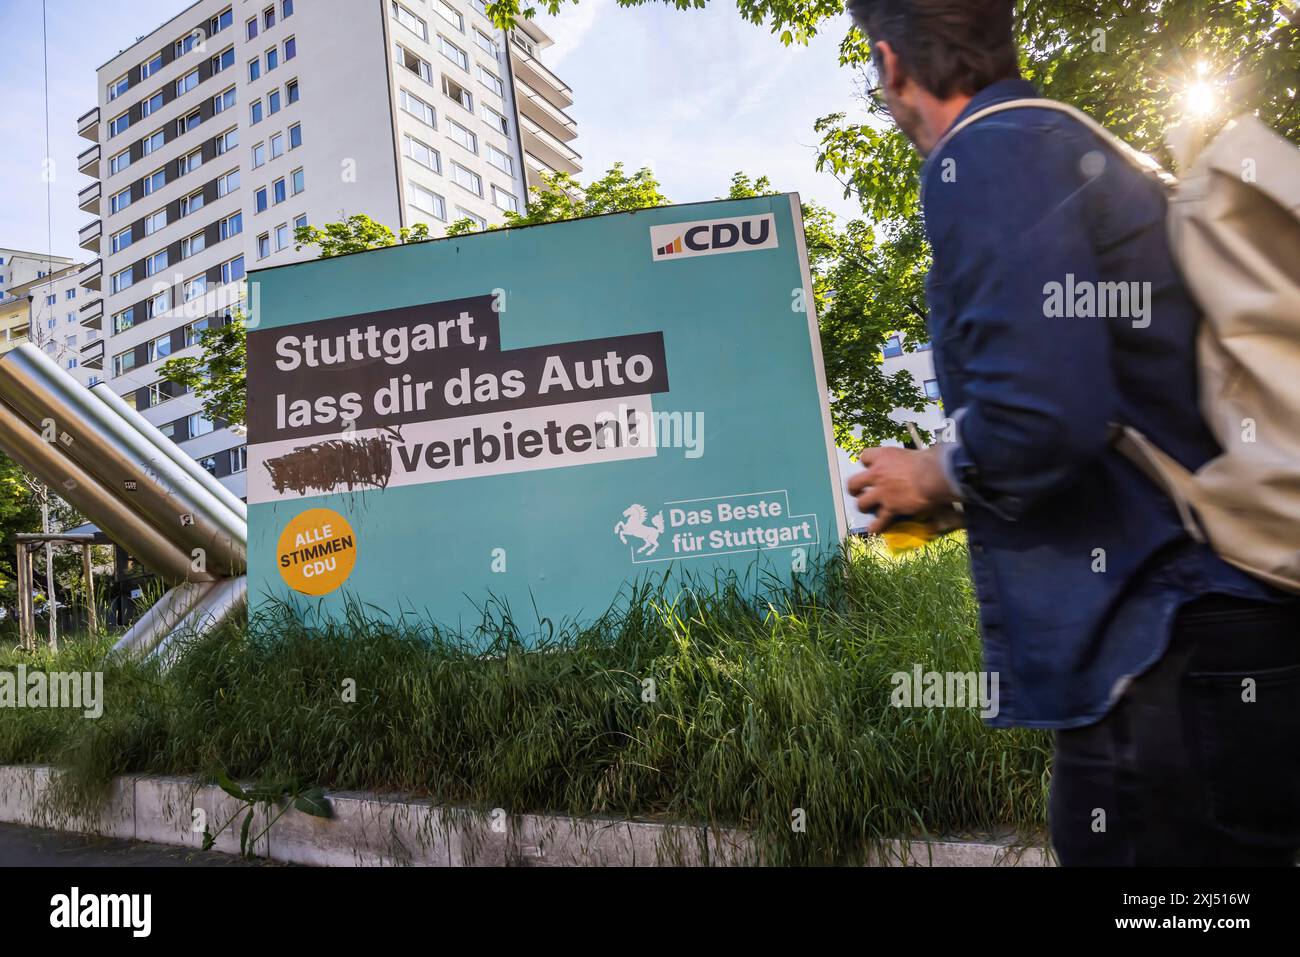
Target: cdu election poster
x: 537, y: 417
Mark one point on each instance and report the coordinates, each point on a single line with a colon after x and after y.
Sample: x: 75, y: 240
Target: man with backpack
x: 1170, y: 676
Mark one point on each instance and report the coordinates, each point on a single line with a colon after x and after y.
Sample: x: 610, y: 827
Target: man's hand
x: 899, y: 482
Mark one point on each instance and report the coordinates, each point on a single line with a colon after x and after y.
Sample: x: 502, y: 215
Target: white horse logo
x: 636, y: 526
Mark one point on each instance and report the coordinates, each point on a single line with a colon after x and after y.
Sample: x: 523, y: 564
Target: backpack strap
x: 1139, y: 160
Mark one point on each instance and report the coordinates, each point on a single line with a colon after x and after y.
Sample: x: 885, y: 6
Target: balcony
x: 88, y: 162
x: 92, y: 314
x: 545, y: 147
x: 531, y: 71
x: 88, y: 198
x: 92, y: 275
x: 88, y: 124
x: 545, y: 114
x: 89, y: 235
x: 92, y: 354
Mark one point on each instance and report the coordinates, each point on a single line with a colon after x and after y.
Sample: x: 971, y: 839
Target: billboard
x: 539, y: 416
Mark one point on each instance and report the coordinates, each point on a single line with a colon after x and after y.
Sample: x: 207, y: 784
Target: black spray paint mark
x: 334, y: 465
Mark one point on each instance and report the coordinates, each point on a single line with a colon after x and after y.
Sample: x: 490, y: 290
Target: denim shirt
x: 1079, y: 561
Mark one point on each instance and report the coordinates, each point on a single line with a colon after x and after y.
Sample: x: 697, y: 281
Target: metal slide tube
x: 91, y: 434
x: 87, y: 495
x: 214, y: 608
x: 159, y: 621
x: 150, y: 431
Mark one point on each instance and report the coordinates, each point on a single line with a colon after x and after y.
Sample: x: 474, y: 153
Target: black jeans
x: 1199, y: 761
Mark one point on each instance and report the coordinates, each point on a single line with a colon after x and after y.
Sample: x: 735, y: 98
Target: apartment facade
x: 224, y: 129
x: 56, y: 305
x: 920, y: 363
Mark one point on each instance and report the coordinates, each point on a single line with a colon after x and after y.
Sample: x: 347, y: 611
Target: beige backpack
x: 1234, y: 227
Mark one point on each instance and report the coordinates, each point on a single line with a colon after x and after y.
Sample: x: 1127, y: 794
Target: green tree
x: 354, y: 235
x: 218, y: 375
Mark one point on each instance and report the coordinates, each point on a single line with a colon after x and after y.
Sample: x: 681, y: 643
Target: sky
x: 696, y: 95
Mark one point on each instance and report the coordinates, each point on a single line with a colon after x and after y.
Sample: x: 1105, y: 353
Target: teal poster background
x: 742, y: 359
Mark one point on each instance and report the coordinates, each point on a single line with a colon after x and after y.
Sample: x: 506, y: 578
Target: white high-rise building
x: 226, y: 127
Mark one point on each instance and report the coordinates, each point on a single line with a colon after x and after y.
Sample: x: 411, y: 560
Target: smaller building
x: 62, y: 318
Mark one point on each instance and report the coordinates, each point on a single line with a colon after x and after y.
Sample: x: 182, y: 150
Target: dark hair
x: 947, y: 46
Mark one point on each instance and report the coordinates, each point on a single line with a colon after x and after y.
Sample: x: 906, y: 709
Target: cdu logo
x: 713, y: 236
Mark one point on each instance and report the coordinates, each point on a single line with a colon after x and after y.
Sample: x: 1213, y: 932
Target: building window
x: 124, y: 320
x: 196, y: 288
x: 418, y: 108
x: 263, y: 245
x: 239, y: 459
x: 223, y: 101
x: 51, y: 300
x: 495, y: 120
x: 260, y: 200
x: 233, y: 271
x: 282, y: 236
x: 491, y: 81
x: 186, y: 83
x: 893, y: 347
x: 160, y: 304
x: 223, y: 60
x: 272, y: 59
x: 232, y: 225
x: 453, y: 53
x: 461, y: 135
x: 153, y: 104
x: 194, y: 332
x: 295, y: 136
x: 123, y: 362
x: 500, y: 160
x: 250, y: 28
x: 227, y: 184
x: 932, y: 389
x: 273, y: 102
x: 159, y: 348
x: 428, y: 201
x: 121, y: 201
x: 409, y: 20
x: 290, y: 49
x: 298, y: 181
x: 268, y: 17
x: 422, y: 153
x: 255, y: 112
x: 277, y: 146
x: 151, y: 66
x: 222, y: 20
x: 924, y: 346
x: 191, y: 245
x: 198, y: 425
x: 191, y: 203
x: 154, y: 141
x: 278, y: 191
x: 118, y: 123
x: 478, y: 221
x: 254, y: 69
x: 122, y: 239
x: 155, y: 221
x: 259, y: 155
x: 291, y: 91
x: 450, y: 14
x: 123, y: 279
x: 119, y: 162
x: 467, y: 179
x: 458, y: 93
x: 186, y: 123
x: 155, y: 263
x: 190, y: 162
x: 227, y: 141
x: 486, y: 44
x: 70, y: 294
x: 413, y: 63
x: 505, y: 200
x: 286, y: 9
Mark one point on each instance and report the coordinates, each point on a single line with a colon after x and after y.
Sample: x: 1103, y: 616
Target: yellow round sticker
x: 316, y: 552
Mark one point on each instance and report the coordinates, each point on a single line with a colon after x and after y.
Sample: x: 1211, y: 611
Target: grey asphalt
x: 34, y: 847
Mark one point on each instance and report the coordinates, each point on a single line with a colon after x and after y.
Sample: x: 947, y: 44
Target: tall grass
x: 733, y: 704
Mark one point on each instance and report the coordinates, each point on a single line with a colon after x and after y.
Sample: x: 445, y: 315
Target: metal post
x: 51, y: 605
x: 88, y: 582
x: 24, y: 598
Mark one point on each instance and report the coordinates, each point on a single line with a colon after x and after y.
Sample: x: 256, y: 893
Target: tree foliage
x: 217, y: 376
